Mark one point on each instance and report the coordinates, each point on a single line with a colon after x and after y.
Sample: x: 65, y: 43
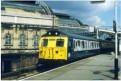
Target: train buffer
x: 99, y: 67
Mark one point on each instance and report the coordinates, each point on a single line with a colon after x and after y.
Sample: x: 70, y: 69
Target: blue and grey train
x: 56, y: 45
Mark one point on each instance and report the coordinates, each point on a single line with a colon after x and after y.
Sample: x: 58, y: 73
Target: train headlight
x: 56, y: 33
x: 49, y: 33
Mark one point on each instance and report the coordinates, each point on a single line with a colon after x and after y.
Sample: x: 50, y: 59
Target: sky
x: 101, y: 15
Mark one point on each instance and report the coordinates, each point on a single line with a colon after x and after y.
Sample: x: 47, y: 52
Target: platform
x: 100, y: 67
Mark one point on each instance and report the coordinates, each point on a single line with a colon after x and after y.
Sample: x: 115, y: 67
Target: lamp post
x: 116, y: 67
x: 53, y: 22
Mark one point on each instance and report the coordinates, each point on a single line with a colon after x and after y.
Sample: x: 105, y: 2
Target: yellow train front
x: 53, y: 47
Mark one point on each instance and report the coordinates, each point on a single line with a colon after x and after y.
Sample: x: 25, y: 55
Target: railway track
x: 45, y: 70
x: 21, y: 74
x: 37, y: 71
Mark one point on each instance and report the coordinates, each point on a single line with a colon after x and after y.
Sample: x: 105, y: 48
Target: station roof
x: 62, y: 15
x: 67, y: 20
x: 29, y: 6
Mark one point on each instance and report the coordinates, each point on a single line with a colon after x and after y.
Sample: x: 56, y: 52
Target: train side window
x: 98, y: 44
x: 74, y: 43
x: 45, y: 42
x: 60, y: 42
x: 92, y: 45
x: 78, y: 43
x: 83, y: 44
x: 95, y: 44
x: 87, y: 44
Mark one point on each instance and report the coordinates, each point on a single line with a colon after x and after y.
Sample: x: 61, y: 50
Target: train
x: 59, y: 46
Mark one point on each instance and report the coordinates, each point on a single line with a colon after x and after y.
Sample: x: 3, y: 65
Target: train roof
x: 70, y: 35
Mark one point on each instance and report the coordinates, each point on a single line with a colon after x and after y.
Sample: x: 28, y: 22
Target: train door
x: 70, y: 48
x: 70, y: 45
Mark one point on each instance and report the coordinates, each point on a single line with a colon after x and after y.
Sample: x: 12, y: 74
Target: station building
x: 22, y: 24
x: 24, y: 32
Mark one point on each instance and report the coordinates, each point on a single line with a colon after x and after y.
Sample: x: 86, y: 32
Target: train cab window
x: 45, y: 42
x: 60, y: 42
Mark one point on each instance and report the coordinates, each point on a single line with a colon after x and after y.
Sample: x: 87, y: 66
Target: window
x: 98, y: 45
x: 22, y: 39
x: 83, y: 44
x: 79, y: 43
x: 92, y: 45
x: 87, y: 44
x: 45, y: 42
x: 8, y: 39
x: 74, y: 44
x: 60, y: 42
x: 36, y: 40
x: 95, y: 44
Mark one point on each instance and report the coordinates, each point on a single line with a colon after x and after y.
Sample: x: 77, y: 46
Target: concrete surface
x: 100, y: 67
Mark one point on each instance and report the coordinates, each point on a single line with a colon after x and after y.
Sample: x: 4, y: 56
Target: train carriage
x: 61, y: 46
